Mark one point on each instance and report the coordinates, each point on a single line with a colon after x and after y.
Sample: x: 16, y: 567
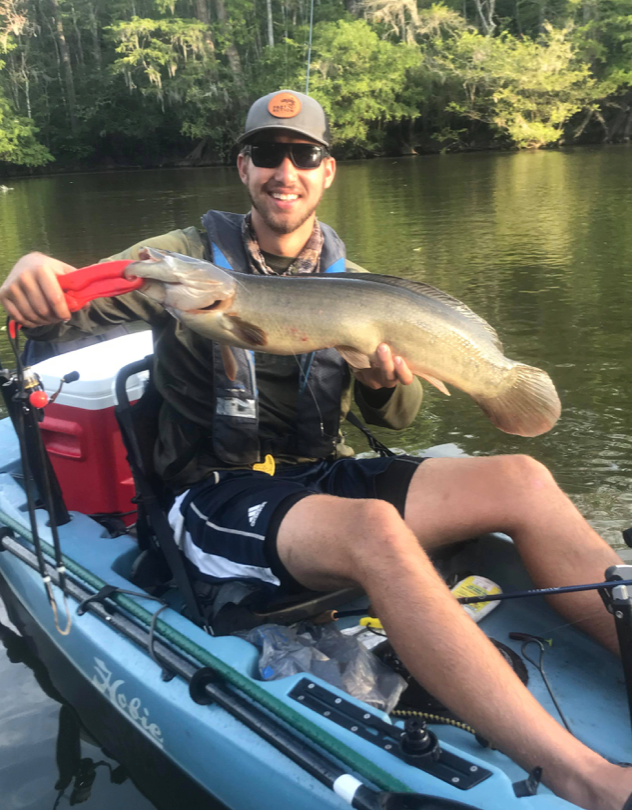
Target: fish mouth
x: 177, y: 296
x: 217, y: 306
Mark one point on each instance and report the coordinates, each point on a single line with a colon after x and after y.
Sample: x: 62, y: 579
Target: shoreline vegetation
x: 56, y: 170
x: 111, y: 85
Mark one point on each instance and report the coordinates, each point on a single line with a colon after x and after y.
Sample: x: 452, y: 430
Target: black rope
x: 374, y: 443
x: 539, y: 665
x: 152, y: 631
x: 108, y: 591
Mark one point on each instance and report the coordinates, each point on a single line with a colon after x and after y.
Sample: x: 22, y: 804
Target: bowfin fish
x: 439, y: 337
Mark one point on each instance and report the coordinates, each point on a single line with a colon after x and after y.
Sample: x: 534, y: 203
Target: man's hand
x: 31, y: 293
x: 385, y: 372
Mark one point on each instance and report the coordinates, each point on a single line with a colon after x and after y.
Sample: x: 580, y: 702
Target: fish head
x: 183, y: 285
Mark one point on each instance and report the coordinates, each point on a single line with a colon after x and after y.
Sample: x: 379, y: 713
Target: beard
x: 279, y: 222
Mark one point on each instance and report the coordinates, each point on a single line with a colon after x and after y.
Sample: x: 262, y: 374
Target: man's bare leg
x: 325, y: 542
x: 453, y: 499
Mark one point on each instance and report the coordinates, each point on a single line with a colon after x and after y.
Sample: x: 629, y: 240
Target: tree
x: 18, y: 144
x: 527, y: 90
x: 64, y: 53
x: 360, y: 81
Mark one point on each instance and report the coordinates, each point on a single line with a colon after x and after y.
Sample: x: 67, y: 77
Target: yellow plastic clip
x: 369, y: 621
x: 266, y: 466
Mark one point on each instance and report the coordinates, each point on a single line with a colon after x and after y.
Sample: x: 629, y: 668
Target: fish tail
x: 527, y: 406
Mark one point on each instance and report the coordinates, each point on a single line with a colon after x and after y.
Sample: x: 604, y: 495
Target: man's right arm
x: 31, y: 294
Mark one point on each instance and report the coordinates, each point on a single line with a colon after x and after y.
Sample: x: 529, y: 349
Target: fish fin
x: 230, y: 364
x: 147, y: 253
x: 437, y: 383
x: 248, y: 332
x: 421, y: 288
x: 528, y: 406
x: 355, y: 358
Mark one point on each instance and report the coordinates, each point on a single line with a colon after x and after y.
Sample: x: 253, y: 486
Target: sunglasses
x: 272, y: 154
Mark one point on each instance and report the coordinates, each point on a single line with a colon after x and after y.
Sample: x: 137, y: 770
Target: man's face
x: 285, y: 197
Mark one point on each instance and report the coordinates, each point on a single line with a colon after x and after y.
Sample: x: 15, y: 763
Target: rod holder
x: 618, y: 601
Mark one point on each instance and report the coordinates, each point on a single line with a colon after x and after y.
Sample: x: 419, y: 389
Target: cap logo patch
x: 284, y: 105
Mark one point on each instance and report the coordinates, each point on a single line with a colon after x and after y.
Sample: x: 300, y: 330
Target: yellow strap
x: 266, y: 466
x: 370, y: 621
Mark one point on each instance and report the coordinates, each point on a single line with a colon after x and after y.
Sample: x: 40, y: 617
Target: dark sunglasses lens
x: 267, y: 155
x: 302, y: 155
x: 306, y: 156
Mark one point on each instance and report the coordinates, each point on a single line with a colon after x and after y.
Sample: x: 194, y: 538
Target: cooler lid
x: 98, y: 366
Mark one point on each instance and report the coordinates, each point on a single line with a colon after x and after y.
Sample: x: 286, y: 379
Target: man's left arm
x: 388, y: 394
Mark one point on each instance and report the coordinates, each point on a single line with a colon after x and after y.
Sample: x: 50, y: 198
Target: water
x: 535, y: 243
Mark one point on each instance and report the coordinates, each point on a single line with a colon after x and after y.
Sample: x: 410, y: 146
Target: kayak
x: 177, y: 705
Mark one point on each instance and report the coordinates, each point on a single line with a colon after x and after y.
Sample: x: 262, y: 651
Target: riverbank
x: 87, y: 167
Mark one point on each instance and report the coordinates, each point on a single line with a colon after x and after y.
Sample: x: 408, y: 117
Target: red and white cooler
x: 80, y: 430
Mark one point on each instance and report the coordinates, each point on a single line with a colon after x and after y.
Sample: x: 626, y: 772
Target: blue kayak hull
x: 220, y: 757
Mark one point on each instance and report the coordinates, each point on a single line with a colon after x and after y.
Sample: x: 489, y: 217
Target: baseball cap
x: 287, y: 110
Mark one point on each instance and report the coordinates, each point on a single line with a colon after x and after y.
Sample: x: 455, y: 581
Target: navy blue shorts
x: 227, y: 525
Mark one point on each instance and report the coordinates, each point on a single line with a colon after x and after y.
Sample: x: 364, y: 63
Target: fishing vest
x: 323, y: 375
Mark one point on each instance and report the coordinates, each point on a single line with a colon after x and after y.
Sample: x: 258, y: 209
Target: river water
x: 537, y: 243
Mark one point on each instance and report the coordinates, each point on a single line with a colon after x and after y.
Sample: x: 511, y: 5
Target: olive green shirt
x: 184, y: 376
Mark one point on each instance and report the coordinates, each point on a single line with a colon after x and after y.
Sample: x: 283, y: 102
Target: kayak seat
x: 160, y: 565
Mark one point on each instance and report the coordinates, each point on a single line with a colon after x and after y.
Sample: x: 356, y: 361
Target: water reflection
x: 48, y: 760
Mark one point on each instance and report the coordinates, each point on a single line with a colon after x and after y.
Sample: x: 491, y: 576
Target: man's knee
x: 325, y: 542
x: 381, y: 534
x: 524, y: 474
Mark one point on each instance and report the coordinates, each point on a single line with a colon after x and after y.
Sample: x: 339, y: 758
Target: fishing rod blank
x: 501, y: 597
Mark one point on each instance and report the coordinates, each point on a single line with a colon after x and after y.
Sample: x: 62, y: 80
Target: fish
x: 441, y: 339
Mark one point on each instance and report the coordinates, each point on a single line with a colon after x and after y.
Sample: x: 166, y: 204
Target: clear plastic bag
x: 324, y: 651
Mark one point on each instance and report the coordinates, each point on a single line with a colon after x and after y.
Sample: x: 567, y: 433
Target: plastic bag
x: 324, y: 651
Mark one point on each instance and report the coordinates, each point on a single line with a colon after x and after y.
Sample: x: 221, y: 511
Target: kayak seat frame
x: 222, y: 608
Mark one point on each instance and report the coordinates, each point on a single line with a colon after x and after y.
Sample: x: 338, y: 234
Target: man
x: 324, y: 520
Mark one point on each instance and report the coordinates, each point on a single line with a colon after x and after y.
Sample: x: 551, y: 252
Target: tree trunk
x: 81, y: 61
x: 580, y: 129
x: 486, y: 9
x: 231, y: 50
x: 94, y: 30
x: 270, y: 28
x: 518, y: 21
x: 64, y: 53
x: 203, y: 12
x: 628, y: 127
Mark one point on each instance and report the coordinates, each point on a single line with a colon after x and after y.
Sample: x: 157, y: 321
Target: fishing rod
x: 207, y: 686
x: 501, y: 597
x: 25, y: 397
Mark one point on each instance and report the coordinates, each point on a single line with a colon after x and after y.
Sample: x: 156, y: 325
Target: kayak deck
x: 209, y: 745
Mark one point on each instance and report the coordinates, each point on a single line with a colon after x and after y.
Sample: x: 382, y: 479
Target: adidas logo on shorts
x: 254, y: 512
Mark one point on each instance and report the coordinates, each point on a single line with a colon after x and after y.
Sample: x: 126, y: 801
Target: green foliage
x: 160, y: 56
x: 359, y: 79
x: 147, y: 81
x: 18, y: 144
x: 527, y: 89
